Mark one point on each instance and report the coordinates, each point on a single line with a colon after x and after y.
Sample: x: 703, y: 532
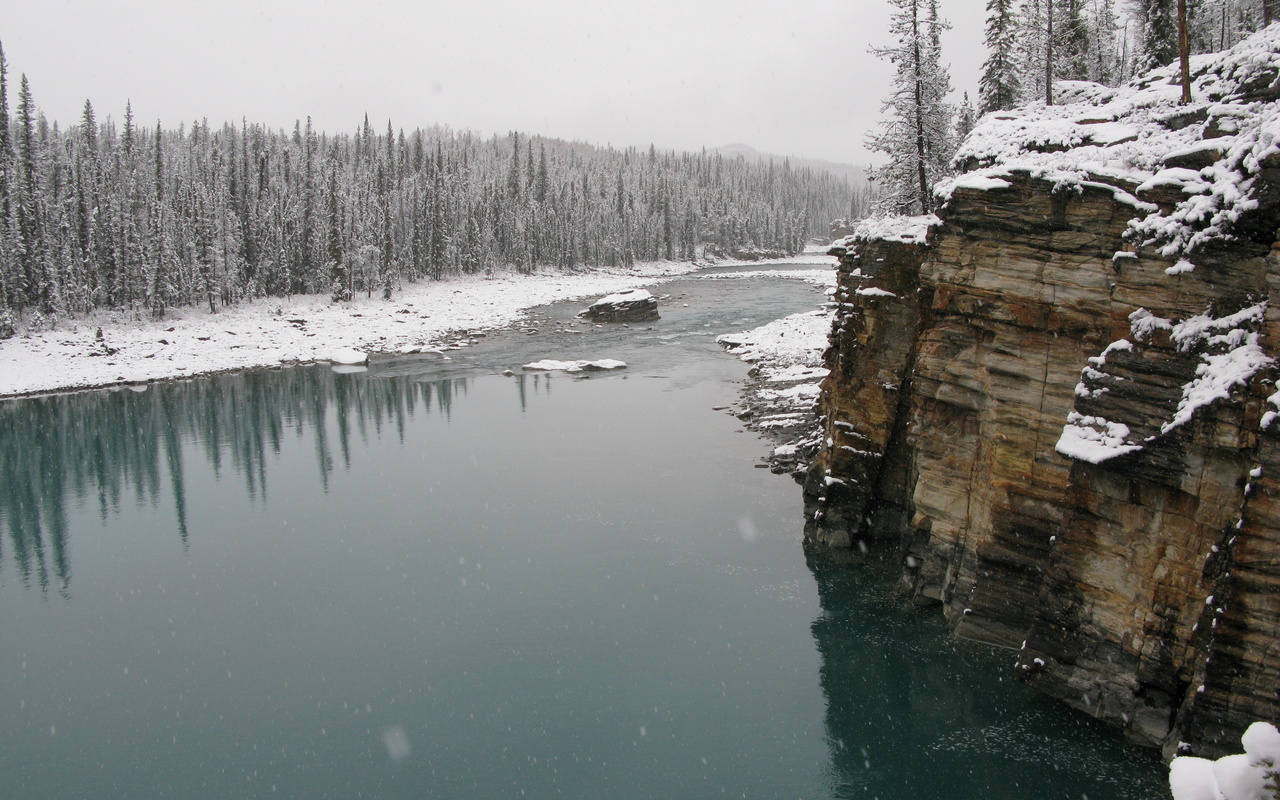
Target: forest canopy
x: 140, y: 217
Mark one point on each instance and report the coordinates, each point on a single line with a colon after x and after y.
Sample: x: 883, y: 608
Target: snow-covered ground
x: 270, y: 332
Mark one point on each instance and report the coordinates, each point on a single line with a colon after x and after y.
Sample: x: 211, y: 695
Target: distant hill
x: 854, y: 173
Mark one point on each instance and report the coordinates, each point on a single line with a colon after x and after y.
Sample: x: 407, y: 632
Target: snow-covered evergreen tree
x: 7, y: 261
x: 998, y: 88
x: 966, y: 118
x: 1033, y: 49
x: 1156, y: 24
x: 916, y: 133
x: 1074, y: 47
x: 1104, y: 66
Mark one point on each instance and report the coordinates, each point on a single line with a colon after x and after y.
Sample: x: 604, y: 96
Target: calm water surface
x: 432, y: 581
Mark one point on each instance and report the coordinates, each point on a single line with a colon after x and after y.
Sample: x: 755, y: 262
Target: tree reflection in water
x: 105, y: 446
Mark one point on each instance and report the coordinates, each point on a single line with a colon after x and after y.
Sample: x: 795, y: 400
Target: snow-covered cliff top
x: 1138, y: 138
x: 905, y: 229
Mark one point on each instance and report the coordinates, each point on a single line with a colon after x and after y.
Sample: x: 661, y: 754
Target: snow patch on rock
x: 1094, y: 439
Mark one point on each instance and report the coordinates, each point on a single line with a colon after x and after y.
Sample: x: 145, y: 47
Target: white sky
x: 786, y: 76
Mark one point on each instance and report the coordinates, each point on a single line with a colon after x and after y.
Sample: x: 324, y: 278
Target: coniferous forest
x: 142, y: 217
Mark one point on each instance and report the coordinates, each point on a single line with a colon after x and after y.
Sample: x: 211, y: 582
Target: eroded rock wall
x: 957, y: 359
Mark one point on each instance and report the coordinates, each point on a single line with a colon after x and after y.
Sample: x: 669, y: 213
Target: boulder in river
x: 549, y: 365
x: 347, y: 356
x: 633, y: 305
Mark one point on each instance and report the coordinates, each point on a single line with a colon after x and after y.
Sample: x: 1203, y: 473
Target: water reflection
x: 911, y: 712
x: 105, y: 447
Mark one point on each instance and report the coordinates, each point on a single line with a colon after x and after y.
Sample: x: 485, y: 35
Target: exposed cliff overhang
x: 1057, y: 397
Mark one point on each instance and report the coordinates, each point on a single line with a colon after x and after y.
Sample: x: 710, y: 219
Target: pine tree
x: 1105, y: 65
x: 1184, y: 52
x: 1032, y: 49
x: 89, y: 129
x: 7, y: 262
x: 161, y: 287
x: 542, y: 183
x: 28, y: 221
x: 966, y: 118
x: 998, y: 88
x: 513, y: 175
x: 1074, y: 45
x: 339, y: 276
x: 916, y: 131
x: 1157, y: 34
x: 126, y: 136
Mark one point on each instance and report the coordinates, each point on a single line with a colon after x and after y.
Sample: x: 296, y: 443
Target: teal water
x: 429, y: 580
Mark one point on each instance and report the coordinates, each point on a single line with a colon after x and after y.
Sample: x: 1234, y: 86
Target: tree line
x: 131, y: 216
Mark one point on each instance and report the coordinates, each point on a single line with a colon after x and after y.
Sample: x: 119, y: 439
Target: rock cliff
x: 1057, y: 398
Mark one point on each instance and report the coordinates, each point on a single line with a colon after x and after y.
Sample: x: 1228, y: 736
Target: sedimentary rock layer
x: 1054, y: 397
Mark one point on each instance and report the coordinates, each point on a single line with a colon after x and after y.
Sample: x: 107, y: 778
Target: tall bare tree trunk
x: 1184, y: 51
x: 921, y: 173
x: 1048, y: 53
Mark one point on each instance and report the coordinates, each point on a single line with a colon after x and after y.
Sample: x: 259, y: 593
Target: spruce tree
x: 7, y: 261
x: 1105, y: 66
x: 916, y: 131
x: 1075, y: 47
x: 28, y: 221
x: 126, y: 136
x: 339, y: 276
x: 966, y: 118
x: 998, y: 87
x: 1157, y: 32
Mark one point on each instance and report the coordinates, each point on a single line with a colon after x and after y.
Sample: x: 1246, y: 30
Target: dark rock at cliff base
x: 633, y: 305
x: 1057, y: 400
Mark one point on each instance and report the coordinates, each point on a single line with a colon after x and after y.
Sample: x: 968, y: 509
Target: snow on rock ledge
x: 1094, y: 439
x: 905, y: 229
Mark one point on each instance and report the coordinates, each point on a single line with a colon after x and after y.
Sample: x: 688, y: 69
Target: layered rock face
x: 1057, y: 398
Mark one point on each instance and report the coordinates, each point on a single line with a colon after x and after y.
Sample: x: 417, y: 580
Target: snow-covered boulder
x: 550, y: 365
x: 347, y: 355
x: 633, y: 305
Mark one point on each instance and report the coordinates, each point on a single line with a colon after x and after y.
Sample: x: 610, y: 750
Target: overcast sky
x: 784, y: 76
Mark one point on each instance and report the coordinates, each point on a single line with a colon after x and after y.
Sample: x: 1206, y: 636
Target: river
x: 432, y: 580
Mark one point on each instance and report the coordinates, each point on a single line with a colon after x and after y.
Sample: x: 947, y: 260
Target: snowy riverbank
x: 134, y: 349
x: 781, y: 399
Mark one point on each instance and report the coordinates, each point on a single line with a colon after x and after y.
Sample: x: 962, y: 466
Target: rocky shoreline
x: 779, y: 398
